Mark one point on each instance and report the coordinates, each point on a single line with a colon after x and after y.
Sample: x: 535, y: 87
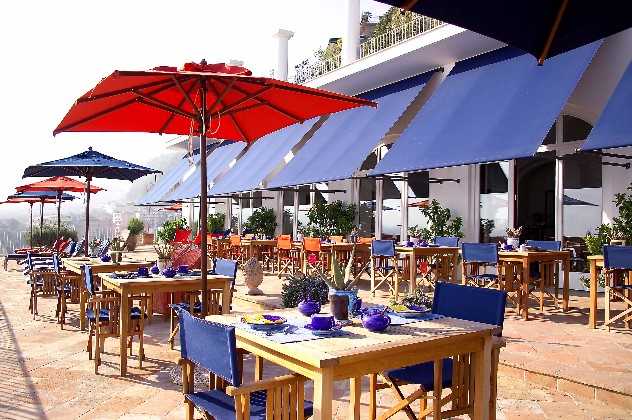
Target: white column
x: 559, y: 183
x: 228, y: 213
x: 278, y: 208
x: 351, y: 35
x: 379, y: 196
x: 295, y: 219
x: 282, y: 36
x: 511, y: 194
x: 355, y: 199
x: 403, y: 236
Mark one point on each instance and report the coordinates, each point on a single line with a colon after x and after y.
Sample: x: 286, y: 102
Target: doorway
x: 535, y: 198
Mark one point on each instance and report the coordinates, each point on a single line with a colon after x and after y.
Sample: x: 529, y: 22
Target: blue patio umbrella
x: 43, y: 197
x: 543, y: 28
x: 89, y: 164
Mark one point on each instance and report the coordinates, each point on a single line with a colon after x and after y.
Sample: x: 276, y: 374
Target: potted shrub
x: 262, y: 222
x: 215, y: 222
x: 135, y: 227
x: 342, y: 294
x: 513, y: 236
x: 299, y: 287
x: 167, y: 231
x: 440, y: 222
x: 330, y: 219
x: 163, y: 251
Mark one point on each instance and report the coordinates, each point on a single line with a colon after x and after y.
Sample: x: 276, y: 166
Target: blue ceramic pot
x: 309, y: 307
x: 352, y: 295
x: 183, y: 269
x: 169, y: 272
x: 322, y: 322
x: 106, y: 258
x: 155, y: 269
x: 375, y: 321
x: 143, y: 272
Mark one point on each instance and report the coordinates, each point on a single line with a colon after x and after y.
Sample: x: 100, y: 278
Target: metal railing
x: 376, y: 44
x: 398, y: 35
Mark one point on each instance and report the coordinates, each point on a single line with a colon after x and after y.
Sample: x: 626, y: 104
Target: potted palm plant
x: 135, y: 227
x: 342, y: 295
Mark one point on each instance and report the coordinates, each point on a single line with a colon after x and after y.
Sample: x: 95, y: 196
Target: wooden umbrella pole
x: 31, y: 229
x: 41, y: 216
x: 87, y: 242
x: 58, y: 213
x: 203, y: 199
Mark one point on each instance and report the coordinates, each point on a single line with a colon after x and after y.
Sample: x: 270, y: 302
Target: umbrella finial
x: 89, y: 148
x: 203, y: 62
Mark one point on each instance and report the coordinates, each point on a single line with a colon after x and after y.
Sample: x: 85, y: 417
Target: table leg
x: 592, y: 318
x: 524, y: 289
x: 355, y: 392
x: 123, y: 323
x: 455, y: 261
x: 567, y: 269
x: 482, y: 380
x: 82, y: 307
x: 323, y: 394
x: 226, y: 298
x: 412, y: 275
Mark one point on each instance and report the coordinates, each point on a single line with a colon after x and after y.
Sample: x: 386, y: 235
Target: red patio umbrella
x: 58, y: 184
x: 216, y: 100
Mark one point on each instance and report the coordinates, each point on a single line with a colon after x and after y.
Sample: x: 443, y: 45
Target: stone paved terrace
x: 45, y: 372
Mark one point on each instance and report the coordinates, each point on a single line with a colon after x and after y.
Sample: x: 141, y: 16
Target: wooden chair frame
x: 615, y: 279
x: 214, y: 298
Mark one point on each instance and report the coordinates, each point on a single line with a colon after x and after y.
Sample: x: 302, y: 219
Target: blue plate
x: 332, y: 332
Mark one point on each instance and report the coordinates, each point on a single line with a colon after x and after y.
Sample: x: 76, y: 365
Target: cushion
x: 105, y: 314
x: 222, y: 407
x: 423, y: 374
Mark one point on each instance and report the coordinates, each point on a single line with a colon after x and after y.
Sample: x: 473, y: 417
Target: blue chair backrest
x: 546, y: 245
x: 71, y: 247
x: 452, y: 241
x: 210, y: 345
x: 78, y: 248
x: 617, y: 257
x: 56, y: 263
x: 382, y: 248
x: 224, y: 267
x: 87, y: 279
x: 29, y: 261
x: 481, y: 253
x: 476, y: 304
x: 103, y: 249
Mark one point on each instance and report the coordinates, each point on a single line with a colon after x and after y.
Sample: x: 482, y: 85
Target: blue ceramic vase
x: 375, y: 321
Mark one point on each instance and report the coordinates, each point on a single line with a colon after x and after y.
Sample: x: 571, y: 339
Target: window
x: 494, y: 201
x: 418, y: 194
x: 575, y: 129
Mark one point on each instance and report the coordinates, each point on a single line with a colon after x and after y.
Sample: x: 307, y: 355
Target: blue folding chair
x: 617, y: 264
x: 476, y: 259
x: 213, y: 346
x: 385, y: 266
x: 451, y: 241
x: 41, y: 279
x: 456, y: 301
x: 66, y: 287
x: 222, y: 267
x: 103, y: 310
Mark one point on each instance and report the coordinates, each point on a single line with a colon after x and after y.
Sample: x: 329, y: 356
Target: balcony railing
x: 376, y: 44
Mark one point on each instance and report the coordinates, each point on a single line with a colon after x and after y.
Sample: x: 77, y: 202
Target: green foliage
x: 262, y: 221
x: 299, y: 287
x: 620, y: 228
x: 330, y: 219
x: 167, y: 232
x: 393, y: 18
x: 48, y: 234
x: 135, y: 226
x: 486, y: 228
x: 341, y: 280
x: 415, y: 231
x: 215, y: 222
x: 117, y: 244
x: 418, y: 298
x: 440, y: 222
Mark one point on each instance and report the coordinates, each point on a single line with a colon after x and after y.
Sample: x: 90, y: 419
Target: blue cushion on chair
x: 423, y: 374
x: 104, y: 315
x: 485, y: 276
x: 222, y: 407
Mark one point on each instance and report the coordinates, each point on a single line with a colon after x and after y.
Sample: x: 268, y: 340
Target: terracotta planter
x: 148, y: 238
x: 339, y: 306
x: 132, y: 241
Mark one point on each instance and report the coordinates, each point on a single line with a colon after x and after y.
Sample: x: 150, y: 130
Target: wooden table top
x: 363, y: 344
x: 427, y: 249
x: 259, y: 242
x: 534, y: 254
x: 156, y: 281
x: 98, y: 266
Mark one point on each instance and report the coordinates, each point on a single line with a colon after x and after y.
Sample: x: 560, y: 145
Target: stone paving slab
x: 45, y: 374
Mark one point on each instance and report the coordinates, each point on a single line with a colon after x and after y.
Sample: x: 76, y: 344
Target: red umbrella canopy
x: 58, y: 184
x: 168, y: 100
x: 31, y: 200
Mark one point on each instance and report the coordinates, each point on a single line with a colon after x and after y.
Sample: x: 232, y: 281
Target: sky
x: 54, y: 51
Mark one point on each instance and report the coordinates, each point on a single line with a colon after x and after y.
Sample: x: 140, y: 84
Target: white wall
x: 615, y: 180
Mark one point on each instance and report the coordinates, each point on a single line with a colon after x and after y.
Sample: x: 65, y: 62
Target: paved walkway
x: 45, y: 374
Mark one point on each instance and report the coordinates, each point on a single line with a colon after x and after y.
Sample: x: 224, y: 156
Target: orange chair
x: 316, y: 261
x: 288, y: 257
x: 236, y: 251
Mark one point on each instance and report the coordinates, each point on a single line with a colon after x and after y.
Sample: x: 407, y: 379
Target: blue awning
x: 264, y: 156
x: 492, y: 107
x: 169, y: 181
x: 614, y: 127
x: 217, y: 162
x: 338, y: 148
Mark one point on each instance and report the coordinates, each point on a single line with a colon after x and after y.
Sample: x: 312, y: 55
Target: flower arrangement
x: 514, y: 232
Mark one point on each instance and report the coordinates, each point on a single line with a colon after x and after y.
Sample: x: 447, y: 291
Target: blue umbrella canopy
x: 89, y: 164
x: 43, y: 195
x: 543, y: 28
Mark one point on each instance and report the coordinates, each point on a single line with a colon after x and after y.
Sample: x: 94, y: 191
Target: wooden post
x: 87, y: 247
x: 203, y: 199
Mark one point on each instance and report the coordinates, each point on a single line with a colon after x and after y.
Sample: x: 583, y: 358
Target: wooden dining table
x: 430, y: 253
x: 526, y: 258
x: 76, y: 264
x: 134, y: 286
x: 360, y: 352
